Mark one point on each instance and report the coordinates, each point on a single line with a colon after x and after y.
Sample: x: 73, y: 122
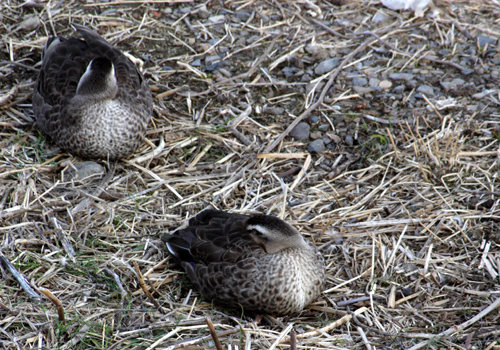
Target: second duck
x: 257, y: 262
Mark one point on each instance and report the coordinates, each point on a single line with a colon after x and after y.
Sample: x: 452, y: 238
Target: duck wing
x: 212, y: 236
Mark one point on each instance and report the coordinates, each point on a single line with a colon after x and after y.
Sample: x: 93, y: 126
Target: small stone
x: 458, y: 81
x: 203, y: 12
x: 444, y: 52
x: 29, y: 23
x: 483, y: 40
x: 82, y: 170
x: 313, y: 119
x: 359, y: 81
x: 362, y: 90
x: 289, y: 71
x: 380, y: 16
x: 196, y: 63
x: 467, y: 71
x: 243, y: 15
x: 401, y: 76
x: 385, y: 84
x: 447, y: 85
x: 333, y: 136
x: 374, y: 82
x: 349, y: 140
x: 316, y: 146
x: 212, y: 59
x: 412, y: 84
x: 323, y: 127
x: 326, y: 66
x: 316, y: 135
x: 399, y: 89
x: 483, y: 94
x: 300, y: 132
x: 426, y: 90
x: 274, y: 110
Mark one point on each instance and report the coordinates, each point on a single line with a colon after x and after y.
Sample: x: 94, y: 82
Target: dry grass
x: 408, y: 220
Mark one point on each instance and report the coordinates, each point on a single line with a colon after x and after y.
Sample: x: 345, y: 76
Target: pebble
x: 483, y: 94
x: 399, y: 89
x: 426, y: 90
x: 316, y: 146
x: 483, y: 40
x: 316, y: 135
x: 326, y: 66
x: 82, y: 170
x: 401, y: 76
x: 359, y: 81
x: 349, y: 140
x: 300, y: 132
x: 243, y: 15
x: 274, y: 110
x: 374, y: 82
x: 313, y: 119
x: 385, y: 84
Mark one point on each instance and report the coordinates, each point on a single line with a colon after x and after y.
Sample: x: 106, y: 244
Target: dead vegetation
x: 407, y: 215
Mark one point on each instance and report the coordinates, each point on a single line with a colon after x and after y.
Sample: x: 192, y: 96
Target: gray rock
x: 300, y: 132
x: 274, y: 110
x: 316, y: 146
x: 316, y: 135
x: 358, y: 81
x: 426, y: 90
x: 483, y: 40
x: 483, y: 94
x: 380, y: 16
x: 399, y: 89
x: 289, y: 71
x: 349, y: 140
x: 448, y: 85
x: 326, y: 66
x: 373, y: 82
x: 196, y: 63
x: 362, y: 90
x: 203, y: 12
x: 401, y: 76
x: 313, y: 119
x: 458, y: 81
x: 82, y: 170
x: 467, y: 71
x: 324, y: 127
x: 212, y: 59
x: 244, y: 16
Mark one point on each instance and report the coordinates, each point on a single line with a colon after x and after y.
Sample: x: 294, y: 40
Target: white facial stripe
x: 264, y: 230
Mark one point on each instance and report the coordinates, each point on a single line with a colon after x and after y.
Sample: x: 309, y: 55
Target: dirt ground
x: 374, y: 132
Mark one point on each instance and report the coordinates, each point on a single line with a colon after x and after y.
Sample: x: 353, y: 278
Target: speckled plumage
x: 103, y: 115
x: 257, y: 262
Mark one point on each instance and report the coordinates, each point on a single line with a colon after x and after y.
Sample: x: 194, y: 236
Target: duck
x: 89, y: 98
x: 256, y: 262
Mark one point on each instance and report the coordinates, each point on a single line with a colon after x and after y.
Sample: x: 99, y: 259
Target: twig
x: 211, y: 328
x: 55, y: 301
x: 144, y: 287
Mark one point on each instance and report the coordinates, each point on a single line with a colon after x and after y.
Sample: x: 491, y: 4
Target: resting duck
x: 255, y: 262
x: 90, y: 98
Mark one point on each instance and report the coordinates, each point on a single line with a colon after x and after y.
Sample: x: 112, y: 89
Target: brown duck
x: 255, y: 262
x: 90, y: 98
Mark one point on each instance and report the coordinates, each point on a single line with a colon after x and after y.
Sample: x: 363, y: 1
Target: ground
x: 374, y: 132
